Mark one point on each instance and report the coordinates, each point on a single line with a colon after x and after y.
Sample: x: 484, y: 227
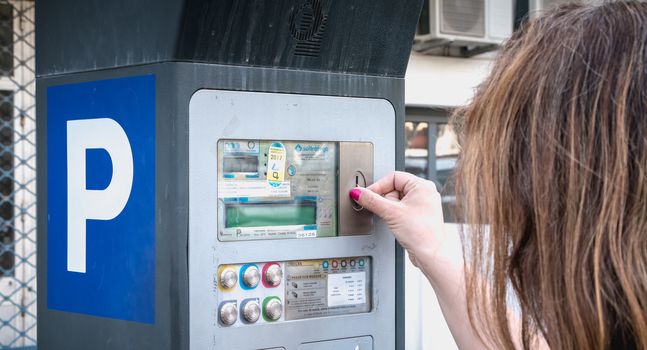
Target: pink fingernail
x: 355, y: 193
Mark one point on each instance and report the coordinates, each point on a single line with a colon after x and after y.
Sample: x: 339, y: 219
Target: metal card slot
x: 358, y: 343
x: 355, y: 169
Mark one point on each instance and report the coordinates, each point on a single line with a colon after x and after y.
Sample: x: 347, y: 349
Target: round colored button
x: 251, y: 311
x: 228, y: 314
x: 273, y: 309
x: 343, y: 263
x: 361, y: 262
x: 352, y: 263
x: 251, y: 276
x: 228, y: 278
x: 273, y: 275
x: 335, y: 264
x: 324, y: 264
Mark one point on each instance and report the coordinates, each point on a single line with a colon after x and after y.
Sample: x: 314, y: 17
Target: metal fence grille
x: 17, y: 175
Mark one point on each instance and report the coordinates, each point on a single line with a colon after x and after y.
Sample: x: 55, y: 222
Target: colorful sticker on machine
x: 310, y: 151
x: 276, y: 164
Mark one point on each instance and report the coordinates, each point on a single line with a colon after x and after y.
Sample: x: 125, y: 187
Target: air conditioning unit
x: 469, y: 23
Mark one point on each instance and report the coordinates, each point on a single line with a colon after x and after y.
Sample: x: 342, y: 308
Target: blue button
x: 325, y: 264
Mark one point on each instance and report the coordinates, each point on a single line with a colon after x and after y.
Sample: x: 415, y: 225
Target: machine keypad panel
x: 258, y: 293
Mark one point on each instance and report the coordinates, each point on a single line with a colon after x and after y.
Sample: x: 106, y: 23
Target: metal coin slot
x: 355, y: 170
x: 360, y: 181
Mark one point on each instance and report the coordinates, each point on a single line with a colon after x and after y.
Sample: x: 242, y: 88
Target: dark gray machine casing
x: 361, y: 51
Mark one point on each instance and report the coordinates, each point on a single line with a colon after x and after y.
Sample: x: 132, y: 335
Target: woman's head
x: 554, y: 160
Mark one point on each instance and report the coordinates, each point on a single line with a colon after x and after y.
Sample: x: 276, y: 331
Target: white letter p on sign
x: 84, y: 204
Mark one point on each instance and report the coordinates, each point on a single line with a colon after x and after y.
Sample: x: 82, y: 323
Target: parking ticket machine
x: 195, y: 159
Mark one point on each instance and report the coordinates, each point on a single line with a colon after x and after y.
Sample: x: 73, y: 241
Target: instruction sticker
x: 327, y: 287
x: 252, y: 189
x: 276, y: 156
x: 346, y: 288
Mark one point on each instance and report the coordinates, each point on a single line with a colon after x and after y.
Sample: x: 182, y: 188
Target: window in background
x: 417, y: 151
x: 7, y: 259
x: 7, y: 247
x: 430, y: 139
x: 447, y: 150
x: 6, y: 40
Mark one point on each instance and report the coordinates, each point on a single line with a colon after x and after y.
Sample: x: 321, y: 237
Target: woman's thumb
x: 371, y: 201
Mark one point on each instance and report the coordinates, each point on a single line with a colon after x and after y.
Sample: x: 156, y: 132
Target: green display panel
x: 255, y: 215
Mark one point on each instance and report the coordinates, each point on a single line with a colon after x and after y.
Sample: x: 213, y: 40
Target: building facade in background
x: 435, y: 85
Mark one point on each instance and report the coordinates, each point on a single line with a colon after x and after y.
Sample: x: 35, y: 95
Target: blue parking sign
x: 101, y: 198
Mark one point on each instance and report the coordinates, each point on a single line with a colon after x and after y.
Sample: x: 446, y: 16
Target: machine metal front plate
x: 258, y: 171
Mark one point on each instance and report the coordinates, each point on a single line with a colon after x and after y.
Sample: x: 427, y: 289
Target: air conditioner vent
x: 463, y: 17
x: 464, y: 28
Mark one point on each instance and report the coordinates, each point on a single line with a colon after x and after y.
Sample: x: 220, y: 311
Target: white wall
x: 425, y: 326
x: 435, y: 82
x: 444, y: 81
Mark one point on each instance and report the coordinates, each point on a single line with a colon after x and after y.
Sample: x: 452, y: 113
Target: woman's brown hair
x: 554, y: 160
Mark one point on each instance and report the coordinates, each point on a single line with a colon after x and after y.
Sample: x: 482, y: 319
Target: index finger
x: 395, y: 181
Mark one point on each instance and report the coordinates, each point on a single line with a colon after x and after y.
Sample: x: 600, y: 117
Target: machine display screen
x: 277, y: 189
x: 252, y: 215
x: 240, y: 164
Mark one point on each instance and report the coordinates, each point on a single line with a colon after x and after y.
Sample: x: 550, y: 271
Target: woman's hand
x: 411, y: 207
